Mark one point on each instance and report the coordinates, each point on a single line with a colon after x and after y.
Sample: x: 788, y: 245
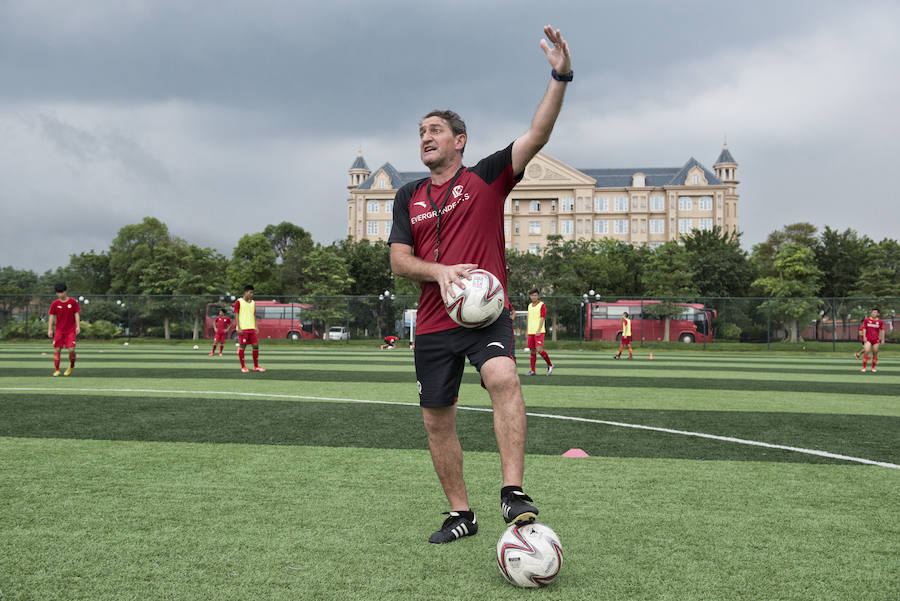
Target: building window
x: 506, y: 228
x: 534, y: 227
x: 643, y: 226
x: 371, y: 228
x: 387, y: 227
x: 621, y: 203
x: 580, y: 226
x: 516, y: 227
x: 506, y: 205
x: 516, y: 206
x: 553, y: 205
x: 655, y: 245
x: 704, y: 203
x: 695, y: 179
x: 601, y: 226
x: 382, y: 183
x: 657, y: 203
x: 534, y: 249
x: 567, y: 203
x: 552, y: 227
x: 372, y: 206
x: 684, y: 226
x: 620, y: 226
x: 657, y: 226
x: 705, y: 223
x: 567, y: 226
x: 535, y: 206
x: 389, y: 206
x: 601, y: 203
x: 720, y: 222
x: 719, y: 200
x: 685, y: 203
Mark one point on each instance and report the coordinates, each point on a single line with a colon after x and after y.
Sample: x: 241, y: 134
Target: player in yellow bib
x: 537, y: 314
x: 245, y: 318
x: 626, y: 337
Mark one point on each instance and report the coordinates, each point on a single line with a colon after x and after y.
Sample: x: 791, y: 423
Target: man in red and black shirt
x: 64, y: 324
x: 445, y: 225
x: 874, y: 337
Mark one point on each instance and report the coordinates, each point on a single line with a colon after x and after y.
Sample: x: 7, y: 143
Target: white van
x: 338, y: 333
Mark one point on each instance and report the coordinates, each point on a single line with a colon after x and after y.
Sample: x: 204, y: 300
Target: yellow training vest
x: 246, y: 318
x: 626, y: 329
x: 534, y: 319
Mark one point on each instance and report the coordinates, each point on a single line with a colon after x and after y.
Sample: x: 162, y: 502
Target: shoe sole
x: 524, y: 518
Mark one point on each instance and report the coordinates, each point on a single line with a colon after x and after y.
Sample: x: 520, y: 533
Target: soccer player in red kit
x: 389, y: 342
x: 245, y: 314
x: 64, y: 316
x: 874, y: 328
x: 444, y: 225
x: 222, y: 323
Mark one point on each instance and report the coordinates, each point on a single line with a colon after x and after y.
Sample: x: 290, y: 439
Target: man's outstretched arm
x: 529, y: 143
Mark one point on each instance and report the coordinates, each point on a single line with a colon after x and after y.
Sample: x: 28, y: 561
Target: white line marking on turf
x: 743, y: 441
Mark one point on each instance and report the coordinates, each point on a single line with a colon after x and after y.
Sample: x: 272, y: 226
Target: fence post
x: 769, y: 324
x: 833, y: 325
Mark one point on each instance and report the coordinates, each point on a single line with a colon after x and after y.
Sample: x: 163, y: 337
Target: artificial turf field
x: 157, y: 472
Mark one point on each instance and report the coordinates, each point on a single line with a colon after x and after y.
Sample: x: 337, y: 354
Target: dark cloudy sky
x: 221, y: 117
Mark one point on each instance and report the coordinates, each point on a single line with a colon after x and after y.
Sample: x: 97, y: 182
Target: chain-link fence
x: 590, y: 317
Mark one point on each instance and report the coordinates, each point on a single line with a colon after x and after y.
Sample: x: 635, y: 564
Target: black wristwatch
x: 562, y: 76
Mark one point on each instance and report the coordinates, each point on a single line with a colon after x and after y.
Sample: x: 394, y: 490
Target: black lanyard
x: 437, y: 245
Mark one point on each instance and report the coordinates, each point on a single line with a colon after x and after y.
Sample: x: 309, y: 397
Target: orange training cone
x: 651, y: 356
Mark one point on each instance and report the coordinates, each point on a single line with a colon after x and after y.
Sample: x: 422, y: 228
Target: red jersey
x: 65, y: 314
x: 222, y: 324
x: 391, y: 339
x: 471, y: 227
x: 873, y: 328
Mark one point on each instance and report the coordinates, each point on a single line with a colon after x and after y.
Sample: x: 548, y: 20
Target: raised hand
x: 558, y: 55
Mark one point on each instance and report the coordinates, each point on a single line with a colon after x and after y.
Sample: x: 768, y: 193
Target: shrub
x: 729, y: 331
x: 101, y: 329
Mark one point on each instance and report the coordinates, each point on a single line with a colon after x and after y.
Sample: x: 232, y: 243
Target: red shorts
x: 535, y: 340
x: 247, y: 337
x: 64, y: 339
x: 626, y: 340
x: 220, y: 336
x: 876, y: 340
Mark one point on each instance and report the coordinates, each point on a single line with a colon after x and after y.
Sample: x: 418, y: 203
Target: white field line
x: 731, y: 439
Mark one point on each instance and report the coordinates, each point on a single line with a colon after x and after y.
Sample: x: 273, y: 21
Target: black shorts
x: 441, y: 356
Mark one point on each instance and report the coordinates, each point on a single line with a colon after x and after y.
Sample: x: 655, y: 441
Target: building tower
x: 726, y: 171
x: 359, y: 171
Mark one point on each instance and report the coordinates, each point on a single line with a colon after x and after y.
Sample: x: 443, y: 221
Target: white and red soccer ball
x: 478, y: 304
x: 529, y: 556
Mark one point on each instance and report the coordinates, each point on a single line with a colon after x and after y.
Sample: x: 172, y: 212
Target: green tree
x: 841, y: 257
x: 881, y: 275
x: 668, y: 274
x: 14, y: 284
x: 292, y: 245
x: 327, y: 274
x: 763, y: 254
x: 796, y: 280
x: 719, y: 265
x: 132, y: 251
x: 253, y: 262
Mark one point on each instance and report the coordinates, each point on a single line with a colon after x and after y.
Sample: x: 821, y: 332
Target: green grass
x: 156, y: 472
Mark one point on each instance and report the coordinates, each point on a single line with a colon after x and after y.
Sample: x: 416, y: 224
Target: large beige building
x: 638, y: 206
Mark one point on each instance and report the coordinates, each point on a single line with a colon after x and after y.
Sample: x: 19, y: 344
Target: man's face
x: 874, y: 313
x: 248, y: 295
x: 437, y: 144
x: 62, y: 295
x: 534, y: 296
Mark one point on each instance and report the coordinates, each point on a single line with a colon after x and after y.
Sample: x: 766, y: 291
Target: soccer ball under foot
x: 530, y: 555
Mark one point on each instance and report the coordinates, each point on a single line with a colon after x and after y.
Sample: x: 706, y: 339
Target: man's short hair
x: 625, y: 313
x: 222, y: 310
x: 534, y: 291
x: 876, y: 309
x: 61, y: 287
x: 457, y: 125
x: 248, y: 287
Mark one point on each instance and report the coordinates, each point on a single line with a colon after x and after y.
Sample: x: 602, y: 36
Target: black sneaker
x: 615, y: 356
x: 517, y: 508
x: 454, y: 527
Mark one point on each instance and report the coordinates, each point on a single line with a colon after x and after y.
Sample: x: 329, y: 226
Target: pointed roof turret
x: 360, y: 162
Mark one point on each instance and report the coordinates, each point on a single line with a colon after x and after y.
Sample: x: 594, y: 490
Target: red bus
x: 603, y: 321
x: 273, y: 320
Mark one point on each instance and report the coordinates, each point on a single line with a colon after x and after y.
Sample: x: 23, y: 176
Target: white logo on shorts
x: 496, y: 344
x: 419, y: 384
